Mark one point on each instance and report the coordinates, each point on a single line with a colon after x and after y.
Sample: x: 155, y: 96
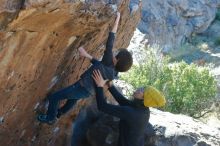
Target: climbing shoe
x: 44, y: 119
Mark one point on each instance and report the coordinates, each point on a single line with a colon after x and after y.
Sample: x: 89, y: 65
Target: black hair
x: 124, y: 59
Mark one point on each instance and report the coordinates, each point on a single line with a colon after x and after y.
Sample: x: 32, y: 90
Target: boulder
x: 38, y: 55
x: 170, y: 23
x: 164, y: 129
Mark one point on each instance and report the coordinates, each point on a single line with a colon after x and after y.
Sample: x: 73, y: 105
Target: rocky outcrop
x: 165, y: 129
x: 170, y: 23
x: 38, y: 55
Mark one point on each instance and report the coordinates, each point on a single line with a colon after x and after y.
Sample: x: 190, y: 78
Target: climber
x: 134, y: 6
x: 109, y: 66
x: 134, y: 114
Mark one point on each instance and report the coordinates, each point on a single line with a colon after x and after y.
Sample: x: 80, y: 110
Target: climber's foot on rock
x: 44, y: 119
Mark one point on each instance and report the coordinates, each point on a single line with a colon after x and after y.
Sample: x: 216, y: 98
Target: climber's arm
x: 108, y: 55
x: 115, y: 27
x: 84, y: 53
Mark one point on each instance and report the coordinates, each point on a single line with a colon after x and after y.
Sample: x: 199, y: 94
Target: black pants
x: 72, y: 93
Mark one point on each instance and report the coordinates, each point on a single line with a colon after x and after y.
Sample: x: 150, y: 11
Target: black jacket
x: 133, y: 120
x: 105, y: 66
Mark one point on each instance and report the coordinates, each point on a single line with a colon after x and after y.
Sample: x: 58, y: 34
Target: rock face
x: 165, y: 129
x: 38, y: 55
x: 169, y: 23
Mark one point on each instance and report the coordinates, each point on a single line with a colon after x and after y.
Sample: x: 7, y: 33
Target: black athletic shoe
x: 44, y: 119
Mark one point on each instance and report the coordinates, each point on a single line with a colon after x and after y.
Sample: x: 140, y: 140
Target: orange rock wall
x: 38, y: 55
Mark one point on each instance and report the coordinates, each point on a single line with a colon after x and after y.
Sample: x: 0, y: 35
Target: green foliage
x: 189, y: 89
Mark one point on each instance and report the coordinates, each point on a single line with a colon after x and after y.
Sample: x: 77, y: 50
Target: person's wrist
x: 90, y: 57
x: 109, y: 84
x: 86, y: 55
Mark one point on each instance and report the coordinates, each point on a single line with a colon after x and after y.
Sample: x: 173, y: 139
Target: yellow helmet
x: 153, y: 97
